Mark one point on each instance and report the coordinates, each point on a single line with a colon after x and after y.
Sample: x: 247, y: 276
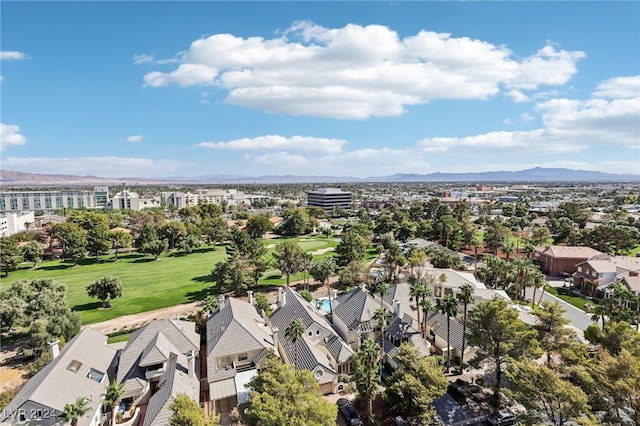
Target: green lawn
x: 148, y: 284
x: 570, y: 297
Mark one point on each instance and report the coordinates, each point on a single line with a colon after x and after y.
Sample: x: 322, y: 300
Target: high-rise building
x: 328, y: 198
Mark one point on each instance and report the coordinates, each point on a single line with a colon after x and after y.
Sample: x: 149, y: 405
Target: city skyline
x: 157, y: 89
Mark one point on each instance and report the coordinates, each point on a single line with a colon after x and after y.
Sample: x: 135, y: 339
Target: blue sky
x: 151, y: 89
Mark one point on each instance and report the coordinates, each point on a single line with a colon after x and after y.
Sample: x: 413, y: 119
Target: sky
x: 358, y: 89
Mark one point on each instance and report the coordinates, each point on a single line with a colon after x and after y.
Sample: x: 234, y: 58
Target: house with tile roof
x: 320, y: 350
x: 82, y: 369
x: 144, y: 359
x: 353, y: 317
x: 398, y: 332
x: 238, y: 341
x: 596, y: 274
x: 559, y: 260
x: 176, y: 379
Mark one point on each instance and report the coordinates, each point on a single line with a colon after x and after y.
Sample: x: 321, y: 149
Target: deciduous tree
x: 105, y: 289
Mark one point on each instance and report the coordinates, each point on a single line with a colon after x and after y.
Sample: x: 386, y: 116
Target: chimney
x: 283, y: 299
x: 221, y: 301
x: 250, y: 296
x: 334, y: 294
x: 274, y: 330
x: 396, y: 308
x: 363, y: 286
x: 191, y: 363
x: 54, y: 348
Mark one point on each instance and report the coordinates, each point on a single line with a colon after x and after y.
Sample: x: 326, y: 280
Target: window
x: 319, y: 373
x: 243, y: 357
x: 25, y: 203
x: 310, y: 333
x: 579, y: 268
x: 74, y: 366
x: 222, y: 363
x: 317, y: 332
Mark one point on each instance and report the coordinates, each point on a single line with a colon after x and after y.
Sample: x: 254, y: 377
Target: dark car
x: 503, y: 417
x: 349, y: 412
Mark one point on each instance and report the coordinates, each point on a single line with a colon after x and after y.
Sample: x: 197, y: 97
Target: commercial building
x: 12, y: 223
x: 17, y: 201
x: 328, y: 198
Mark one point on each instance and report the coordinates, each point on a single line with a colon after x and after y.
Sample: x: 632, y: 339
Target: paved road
x: 578, y: 318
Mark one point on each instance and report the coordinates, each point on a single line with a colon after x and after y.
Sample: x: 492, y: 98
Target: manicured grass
x: 119, y: 338
x: 174, y: 279
x: 148, y: 284
x: 571, y: 298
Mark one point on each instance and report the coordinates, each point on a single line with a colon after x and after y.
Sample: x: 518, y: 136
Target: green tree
x: 294, y: 332
x: 418, y: 291
x: 449, y: 308
x: 352, y: 274
x: 96, y: 226
x: 189, y: 243
x: 210, y: 304
x: 120, y: 240
x: 105, y: 289
x: 72, y: 412
x: 74, y: 241
x: 282, y: 395
x: 366, y: 374
x: 501, y: 336
x: 112, y: 396
x: 10, y: 255
x: 33, y: 252
x: 411, y: 389
x: 294, y: 222
x: 288, y: 257
x: 552, y: 328
x: 214, y: 230
x: 544, y: 393
x: 322, y: 270
x: 155, y: 248
x: 466, y: 293
x: 12, y: 307
x: 145, y: 234
x: 233, y: 274
x: 187, y: 412
x: 258, y: 225
x: 174, y: 232
x: 383, y: 318
x: 351, y: 248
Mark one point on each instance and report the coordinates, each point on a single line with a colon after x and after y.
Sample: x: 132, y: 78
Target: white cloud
x: 95, y: 166
x: 517, y: 96
x: 12, y: 55
x: 143, y: 58
x: 276, y: 142
x: 135, y: 138
x: 356, y: 72
x: 284, y: 160
x: 526, y: 117
x: 10, y: 136
x: 619, y: 87
x: 568, y: 126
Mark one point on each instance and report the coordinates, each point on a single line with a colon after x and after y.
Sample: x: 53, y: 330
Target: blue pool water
x: 323, y: 304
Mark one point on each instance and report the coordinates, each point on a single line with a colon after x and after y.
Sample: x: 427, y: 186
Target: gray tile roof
x: 56, y: 385
x: 181, y: 334
x: 314, y: 351
x: 157, y: 351
x: 403, y: 331
x: 355, y: 308
x: 455, y: 329
x: 236, y: 327
x: 339, y: 349
x: 174, y: 381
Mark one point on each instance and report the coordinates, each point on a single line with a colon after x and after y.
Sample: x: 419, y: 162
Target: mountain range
x: 537, y: 174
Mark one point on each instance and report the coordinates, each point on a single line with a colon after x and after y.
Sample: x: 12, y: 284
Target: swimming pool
x: 323, y: 304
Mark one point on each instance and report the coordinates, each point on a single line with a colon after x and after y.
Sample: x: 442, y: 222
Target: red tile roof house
x: 594, y: 275
x: 558, y: 260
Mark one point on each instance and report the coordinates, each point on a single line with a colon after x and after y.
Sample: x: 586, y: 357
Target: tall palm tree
x: 449, y: 308
x: 294, y: 332
x: 380, y: 287
x: 466, y: 290
x: 307, y: 259
x: 427, y: 306
x: 366, y: 376
x: 418, y: 290
x: 112, y: 397
x: 476, y: 243
x: 383, y: 317
x: 72, y: 412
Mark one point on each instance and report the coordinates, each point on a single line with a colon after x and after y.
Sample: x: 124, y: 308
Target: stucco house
x: 558, y: 260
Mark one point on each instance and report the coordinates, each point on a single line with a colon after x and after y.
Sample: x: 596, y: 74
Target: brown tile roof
x: 568, y: 252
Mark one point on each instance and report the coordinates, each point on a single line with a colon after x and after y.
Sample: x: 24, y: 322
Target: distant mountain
x: 537, y: 174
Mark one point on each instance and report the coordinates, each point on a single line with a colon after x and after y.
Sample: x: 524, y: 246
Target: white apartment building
x: 17, y: 201
x: 12, y: 223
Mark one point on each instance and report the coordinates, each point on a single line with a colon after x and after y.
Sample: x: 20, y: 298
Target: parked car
x: 503, y: 417
x: 349, y: 412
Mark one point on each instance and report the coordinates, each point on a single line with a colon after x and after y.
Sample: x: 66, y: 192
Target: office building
x: 20, y: 201
x: 328, y: 198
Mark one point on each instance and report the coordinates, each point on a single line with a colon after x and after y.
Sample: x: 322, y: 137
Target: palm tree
x: 380, y: 287
x: 112, y: 396
x: 418, y: 291
x: 599, y: 313
x: 466, y: 290
x: 307, y: 259
x: 427, y: 306
x: 476, y: 243
x: 366, y: 375
x: 210, y: 304
x: 72, y: 412
x: 383, y: 317
x: 449, y: 308
x: 294, y: 332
